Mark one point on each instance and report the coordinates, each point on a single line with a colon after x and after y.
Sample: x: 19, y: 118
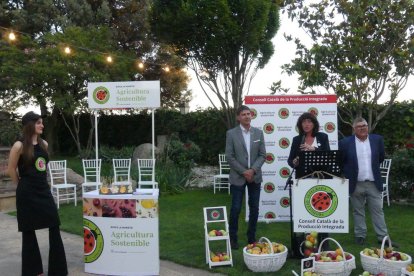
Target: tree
x: 35, y: 70
x: 361, y: 49
x: 223, y: 41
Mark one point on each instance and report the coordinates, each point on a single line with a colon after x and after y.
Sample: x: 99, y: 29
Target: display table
x: 121, y: 234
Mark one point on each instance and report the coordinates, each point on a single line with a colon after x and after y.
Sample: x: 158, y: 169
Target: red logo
x: 284, y: 143
x: 268, y: 128
x: 270, y: 158
x: 253, y: 113
x: 284, y: 172
x: 314, y: 111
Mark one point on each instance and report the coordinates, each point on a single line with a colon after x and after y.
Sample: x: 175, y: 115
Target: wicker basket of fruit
x: 384, y: 260
x: 334, y: 263
x: 408, y: 270
x: 265, y: 256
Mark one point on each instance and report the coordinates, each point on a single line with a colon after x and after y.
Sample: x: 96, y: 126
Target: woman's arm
x: 13, y: 160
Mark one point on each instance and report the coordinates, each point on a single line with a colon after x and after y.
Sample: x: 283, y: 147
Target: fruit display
x: 387, y: 253
x: 219, y: 257
x: 310, y: 244
x: 311, y: 273
x: 259, y: 248
x: 115, y: 189
x: 332, y: 256
x: 117, y: 208
x: 217, y: 233
x: 410, y: 268
x: 366, y: 273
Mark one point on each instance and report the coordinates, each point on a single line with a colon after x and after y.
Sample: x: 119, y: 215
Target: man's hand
x: 249, y: 175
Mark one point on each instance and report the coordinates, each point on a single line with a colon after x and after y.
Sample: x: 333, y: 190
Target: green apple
x: 404, y: 257
x: 212, y: 233
x: 314, y: 234
x: 366, y: 273
x: 307, y: 273
x: 223, y: 232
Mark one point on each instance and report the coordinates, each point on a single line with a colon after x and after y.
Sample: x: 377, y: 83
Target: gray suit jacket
x: 236, y: 154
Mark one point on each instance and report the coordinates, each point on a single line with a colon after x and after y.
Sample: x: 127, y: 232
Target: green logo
x: 269, y: 187
x: 283, y: 113
x: 268, y: 128
x: 40, y: 164
x: 284, y: 202
x: 253, y: 113
x: 100, y: 95
x: 284, y: 142
x: 314, y: 111
x: 321, y: 201
x: 93, y: 241
x: 284, y: 172
x: 329, y: 127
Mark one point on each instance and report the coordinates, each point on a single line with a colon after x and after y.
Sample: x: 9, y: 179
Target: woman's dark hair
x: 305, y: 116
x: 28, y: 152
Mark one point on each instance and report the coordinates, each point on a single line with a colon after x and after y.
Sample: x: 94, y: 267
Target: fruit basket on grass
x: 384, y: 260
x: 265, y: 256
x: 334, y: 263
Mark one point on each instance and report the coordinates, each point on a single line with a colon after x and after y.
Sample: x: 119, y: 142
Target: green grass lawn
x: 182, y: 233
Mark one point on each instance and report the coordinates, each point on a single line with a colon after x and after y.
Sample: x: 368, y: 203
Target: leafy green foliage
x: 184, y: 155
x: 401, y: 183
x: 224, y: 42
x: 171, y: 178
x: 9, y: 132
x: 360, y: 50
x: 107, y: 153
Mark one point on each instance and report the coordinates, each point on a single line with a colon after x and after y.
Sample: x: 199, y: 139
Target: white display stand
x: 127, y: 244
x: 216, y: 215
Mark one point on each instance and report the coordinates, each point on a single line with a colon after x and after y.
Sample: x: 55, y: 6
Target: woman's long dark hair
x: 310, y: 116
x: 28, y: 152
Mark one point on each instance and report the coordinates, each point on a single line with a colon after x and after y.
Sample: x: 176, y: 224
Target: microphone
x: 303, y: 139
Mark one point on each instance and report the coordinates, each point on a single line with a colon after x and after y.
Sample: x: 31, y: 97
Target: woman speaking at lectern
x: 309, y: 139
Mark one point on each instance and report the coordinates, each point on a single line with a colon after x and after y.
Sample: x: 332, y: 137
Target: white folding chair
x: 91, y: 174
x: 385, y: 168
x: 146, y: 174
x: 122, y: 171
x: 221, y: 180
x: 61, y: 190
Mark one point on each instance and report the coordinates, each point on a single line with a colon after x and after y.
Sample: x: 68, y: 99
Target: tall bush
x: 401, y: 183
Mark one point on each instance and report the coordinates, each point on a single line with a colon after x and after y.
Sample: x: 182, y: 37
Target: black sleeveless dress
x: 35, y: 206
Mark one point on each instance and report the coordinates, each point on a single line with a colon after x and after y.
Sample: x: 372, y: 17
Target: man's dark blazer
x: 350, y: 161
x: 321, y: 140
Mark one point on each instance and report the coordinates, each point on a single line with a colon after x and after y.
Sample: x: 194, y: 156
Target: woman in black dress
x: 309, y: 139
x: 35, y: 206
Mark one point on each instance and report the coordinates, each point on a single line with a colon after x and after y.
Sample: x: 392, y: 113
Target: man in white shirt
x: 362, y: 155
x: 245, y: 153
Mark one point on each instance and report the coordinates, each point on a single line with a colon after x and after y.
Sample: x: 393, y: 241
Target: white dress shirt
x: 246, y: 136
x: 363, y: 151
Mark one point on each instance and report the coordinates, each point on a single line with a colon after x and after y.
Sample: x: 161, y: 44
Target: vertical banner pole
x: 153, y: 143
x: 98, y: 174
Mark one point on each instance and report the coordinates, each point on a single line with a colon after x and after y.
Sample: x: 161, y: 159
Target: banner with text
x: 129, y: 94
x: 320, y: 205
x: 277, y: 117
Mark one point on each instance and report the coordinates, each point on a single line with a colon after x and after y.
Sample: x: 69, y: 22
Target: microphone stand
x: 289, y: 183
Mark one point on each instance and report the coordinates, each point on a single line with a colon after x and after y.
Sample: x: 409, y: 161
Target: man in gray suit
x: 245, y: 153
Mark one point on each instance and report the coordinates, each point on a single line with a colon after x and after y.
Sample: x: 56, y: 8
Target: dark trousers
x: 237, y: 193
x: 32, y: 261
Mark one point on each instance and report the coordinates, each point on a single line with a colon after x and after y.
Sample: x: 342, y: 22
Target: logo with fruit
x: 284, y: 142
x: 269, y: 187
x: 253, y: 113
x: 270, y: 215
x: 215, y: 214
x: 40, y: 164
x: 93, y: 242
x: 270, y: 158
x: 314, y: 111
x: 284, y: 172
x: 329, y: 127
x: 321, y: 201
x: 268, y: 128
x: 100, y: 95
x: 284, y: 202
x: 283, y: 113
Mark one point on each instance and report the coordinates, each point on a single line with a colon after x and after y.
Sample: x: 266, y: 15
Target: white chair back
x: 146, y: 169
x: 224, y: 165
x: 122, y: 171
x: 92, y: 170
x: 385, y: 168
x: 57, y: 171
